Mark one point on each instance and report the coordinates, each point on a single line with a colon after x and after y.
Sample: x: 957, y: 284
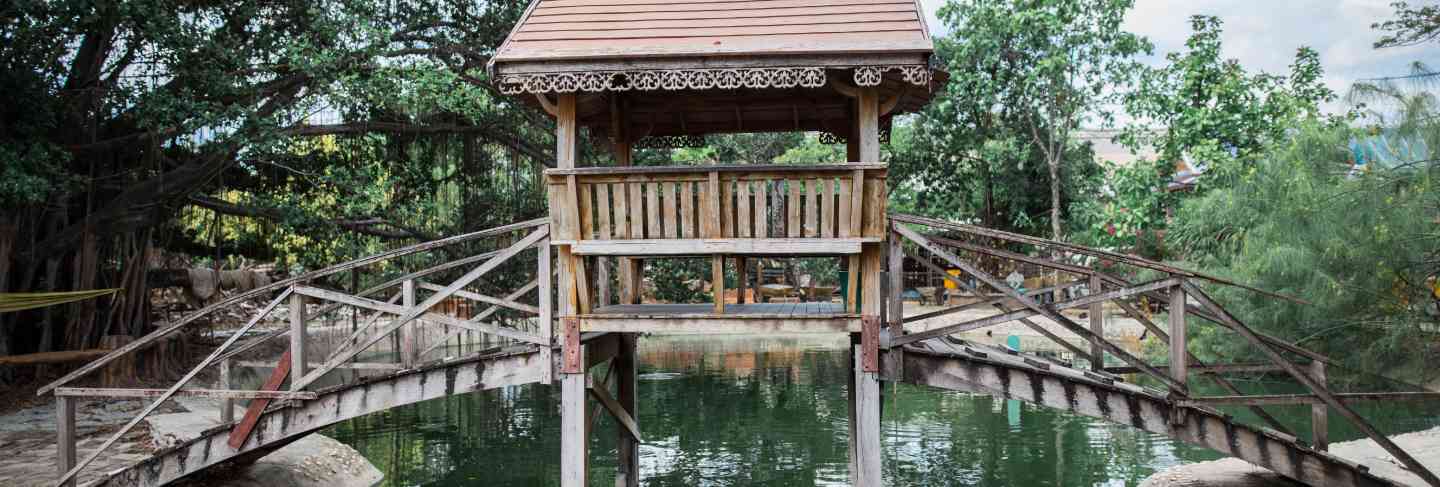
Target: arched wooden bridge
x: 526, y: 347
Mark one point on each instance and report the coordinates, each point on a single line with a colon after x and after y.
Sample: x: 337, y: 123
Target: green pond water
x: 721, y: 411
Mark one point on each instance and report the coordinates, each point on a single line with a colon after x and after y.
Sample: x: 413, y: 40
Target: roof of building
x: 634, y: 29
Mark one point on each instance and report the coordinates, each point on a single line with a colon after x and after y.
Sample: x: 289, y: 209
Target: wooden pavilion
x: 665, y: 73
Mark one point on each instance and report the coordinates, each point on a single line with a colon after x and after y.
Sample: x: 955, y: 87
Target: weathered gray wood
x: 1097, y: 325
x: 153, y: 337
x: 1311, y: 399
x: 1317, y: 388
x: 1179, y: 350
x: 227, y: 405
x: 617, y: 411
x: 627, y: 473
x: 65, y: 438
x: 408, y: 331
x: 573, y: 440
x: 717, y: 282
x: 867, y: 114
x: 546, y: 320
x: 471, y: 325
x: 1053, y: 315
x: 989, y: 303
x: 1319, y: 413
x: 212, y: 393
x: 697, y: 246
x: 70, y: 474
x: 505, y: 302
x: 567, y: 134
x: 349, y: 352
x: 719, y: 168
x: 258, y: 364
x: 1196, y: 367
x: 298, y: 337
x: 721, y: 324
x: 867, y: 424
x: 540, y: 333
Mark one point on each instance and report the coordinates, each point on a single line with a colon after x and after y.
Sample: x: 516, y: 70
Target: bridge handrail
x: 151, y: 337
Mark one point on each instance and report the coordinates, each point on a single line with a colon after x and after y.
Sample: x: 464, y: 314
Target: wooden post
x: 865, y: 420
x: 867, y: 114
x: 546, y: 321
x: 1179, y: 359
x: 408, y: 332
x: 65, y: 436
x: 894, y: 359
x: 742, y: 274
x: 602, y: 281
x: 297, y: 338
x: 566, y: 131
x: 1319, y: 412
x: 627, y: 473
x: 227, y: 382
x: 573, y: 437
x: 1097, y: 325
x: 717, y: 282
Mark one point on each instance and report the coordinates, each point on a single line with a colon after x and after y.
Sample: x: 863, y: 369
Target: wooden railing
x: 712, y: 209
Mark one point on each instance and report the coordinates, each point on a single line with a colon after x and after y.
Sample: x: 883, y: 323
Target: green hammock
x: 12, y: 302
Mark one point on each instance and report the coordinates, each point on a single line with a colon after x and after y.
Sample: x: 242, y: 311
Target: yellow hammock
x: 12, y: 302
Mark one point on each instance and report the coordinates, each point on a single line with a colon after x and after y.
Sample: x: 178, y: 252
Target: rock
x: 312, y: 461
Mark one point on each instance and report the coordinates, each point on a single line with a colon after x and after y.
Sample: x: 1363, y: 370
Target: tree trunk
x: 1054, y: 162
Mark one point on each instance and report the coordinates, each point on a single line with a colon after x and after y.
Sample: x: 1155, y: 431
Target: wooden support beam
x: 409, y: 331
x: 65, y: 438
x: 1310, y: 399
x: 567, y: 132
x: 227, y: 381
x: 617, y: 411
x: 868, y: 129
x: 541, y: 333
x: 545, y: 321
x: 574, y: 437
x: 1179, y: 351
x: 1097, y: 325
x: 717, y: 282
x: 256, y: 364
x: 297, y: 337
x: 212, y: 393
x: 471, y: 325
x: 1319, y: 412
x: 866, y: 420
x: 1196, y: 367
x: 627, y: 473
x: 990, y: 303
x: 1316, y: 387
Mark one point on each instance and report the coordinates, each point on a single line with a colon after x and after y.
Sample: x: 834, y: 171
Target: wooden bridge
x: 637, y: 74
x: 536, y: 351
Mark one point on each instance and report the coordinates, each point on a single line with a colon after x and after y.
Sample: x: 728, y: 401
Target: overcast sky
x: 1264, y: 34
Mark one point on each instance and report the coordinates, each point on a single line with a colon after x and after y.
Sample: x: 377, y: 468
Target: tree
x: 1411, y: 26
x: 1211, y: 110
x: 128, y: 112
x: 1024, y: 74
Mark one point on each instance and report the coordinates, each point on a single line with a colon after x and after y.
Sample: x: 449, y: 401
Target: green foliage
x: 1359, y: 249
x: 1129, y: 210
x: 1212, y: 110
x: 1412, y: 25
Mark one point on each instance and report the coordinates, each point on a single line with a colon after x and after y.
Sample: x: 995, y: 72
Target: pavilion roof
x: 620, y: 45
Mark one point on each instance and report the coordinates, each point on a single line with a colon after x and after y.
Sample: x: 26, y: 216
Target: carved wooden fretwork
x: 697, y: 79
x: 671, y: 142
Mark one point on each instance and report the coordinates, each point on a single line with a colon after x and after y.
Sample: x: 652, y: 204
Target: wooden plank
x: 842, y: 225
x: 408, y: 336
x: 586, y: 211
x: 687, y: 209
x: 636, y: 211
x: 241, y: 431
x: 812, y: 209
x: 857, y: 203
x: 683, y: 247
x: 508, y: 302
x: 256, y: 364
x: 762, y: 209
x: 874, y: 207
x: 621, y: 202
x: 1097, y: 325
x: 65, y: 437
x: 1319, y: 412
x: 1179, y: 352
x: 827, y: 207
x: 602, y: 212
x: 754, y: 169
x: 567, y: 131
x: 867, y: 449
x: 743, y: 210
x: 210, y: 393
x: 652, y: 211
x: 1311, y: 399
x: 574, y: 459
x: 46, y: 358
x: 616, y: 411
x: 792, y: 208
x: 641, y: 24
x: 297, y: 334
x: 721, y: 324
x: 710, y: 207
x: 727, y: 208
x: 717, y: 282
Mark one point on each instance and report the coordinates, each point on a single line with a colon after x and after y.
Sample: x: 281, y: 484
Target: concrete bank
x: 1230, y: 472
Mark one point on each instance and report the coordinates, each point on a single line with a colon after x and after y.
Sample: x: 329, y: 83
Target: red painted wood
x: 241, y: 432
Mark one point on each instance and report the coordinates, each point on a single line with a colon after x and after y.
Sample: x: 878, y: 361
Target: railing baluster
x: 297, y: 338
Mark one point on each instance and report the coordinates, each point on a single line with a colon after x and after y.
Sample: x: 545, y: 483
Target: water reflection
x: 742, y: 411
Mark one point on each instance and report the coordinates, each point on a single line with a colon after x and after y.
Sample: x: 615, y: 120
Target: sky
x: 1264, y: 34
